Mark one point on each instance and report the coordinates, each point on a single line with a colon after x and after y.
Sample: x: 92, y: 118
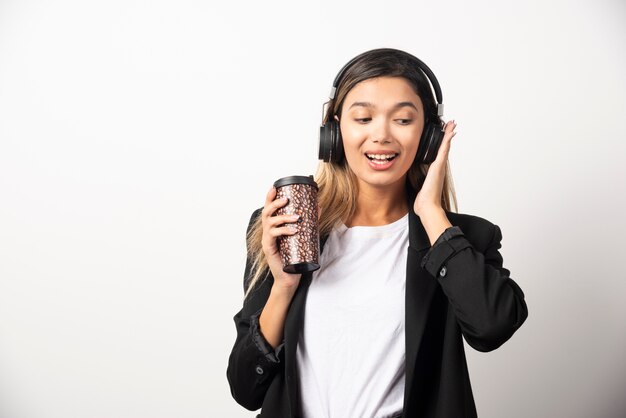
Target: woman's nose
x: 380, y: 133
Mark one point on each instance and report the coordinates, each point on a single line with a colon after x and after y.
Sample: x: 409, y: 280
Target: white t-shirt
x: 351, y: 351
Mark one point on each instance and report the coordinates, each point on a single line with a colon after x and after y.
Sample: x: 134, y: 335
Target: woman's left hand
x: 429, y: 196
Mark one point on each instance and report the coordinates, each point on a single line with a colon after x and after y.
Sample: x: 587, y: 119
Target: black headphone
x: 331, y: 144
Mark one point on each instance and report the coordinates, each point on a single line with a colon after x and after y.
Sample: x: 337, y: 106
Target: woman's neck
x: 379, y: 206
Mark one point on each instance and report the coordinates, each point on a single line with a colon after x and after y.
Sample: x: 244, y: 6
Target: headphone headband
x: 422, y: 66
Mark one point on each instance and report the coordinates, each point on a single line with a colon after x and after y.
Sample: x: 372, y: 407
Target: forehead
x: 382, y: 92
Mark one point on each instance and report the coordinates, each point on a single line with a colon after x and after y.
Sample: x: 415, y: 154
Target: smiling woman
x: 378, y: 330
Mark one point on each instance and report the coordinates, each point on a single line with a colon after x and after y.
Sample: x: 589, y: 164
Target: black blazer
x: 456, y: 288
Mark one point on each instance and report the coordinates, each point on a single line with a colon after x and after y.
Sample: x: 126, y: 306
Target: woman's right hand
x: 273, y: 227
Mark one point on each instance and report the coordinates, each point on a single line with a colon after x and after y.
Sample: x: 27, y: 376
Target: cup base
x: 301, y: 268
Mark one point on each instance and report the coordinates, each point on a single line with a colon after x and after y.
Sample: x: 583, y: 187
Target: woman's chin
x: 380, y: 180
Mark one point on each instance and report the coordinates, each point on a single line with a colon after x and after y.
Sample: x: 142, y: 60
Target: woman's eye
x: 401, y: 121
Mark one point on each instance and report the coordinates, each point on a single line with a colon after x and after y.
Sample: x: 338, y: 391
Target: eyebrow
x: 396, y: 106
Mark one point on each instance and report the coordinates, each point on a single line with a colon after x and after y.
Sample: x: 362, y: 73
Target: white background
x: 136, y: 138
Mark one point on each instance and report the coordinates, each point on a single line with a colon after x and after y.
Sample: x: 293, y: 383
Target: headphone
x: 331, y: 144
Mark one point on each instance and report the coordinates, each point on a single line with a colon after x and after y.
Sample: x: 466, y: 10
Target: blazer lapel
x: 293, y: 324
x: 420, y: 288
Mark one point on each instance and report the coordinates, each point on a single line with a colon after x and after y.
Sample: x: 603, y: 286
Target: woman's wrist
x: 272, y: 318
x: 429, y: 211
x: 282, y: 292
x: 435, y: 221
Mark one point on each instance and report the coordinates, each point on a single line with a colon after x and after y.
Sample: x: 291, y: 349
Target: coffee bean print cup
x: 299, y: 252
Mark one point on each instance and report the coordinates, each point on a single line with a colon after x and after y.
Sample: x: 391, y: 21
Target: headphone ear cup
x: 325, y: 143
x: 331, y: 145
x: 431, y: 139
x: 337, y: 150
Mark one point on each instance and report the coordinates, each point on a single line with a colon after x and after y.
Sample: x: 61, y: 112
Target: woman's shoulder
x: 255, y: 214
x: 468, y: 218
x: 477, y: 227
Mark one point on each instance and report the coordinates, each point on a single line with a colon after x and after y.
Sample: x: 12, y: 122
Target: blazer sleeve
x: 253, y: 362
x: 488, y: 304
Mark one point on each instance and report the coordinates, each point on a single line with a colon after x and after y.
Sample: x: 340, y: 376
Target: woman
x: 378, y: 330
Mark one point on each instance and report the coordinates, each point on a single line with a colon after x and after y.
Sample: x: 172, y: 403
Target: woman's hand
x: 429, y: 196
x: 273, y: 227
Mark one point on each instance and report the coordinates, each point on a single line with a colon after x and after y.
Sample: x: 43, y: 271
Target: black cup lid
x: 295, y: 180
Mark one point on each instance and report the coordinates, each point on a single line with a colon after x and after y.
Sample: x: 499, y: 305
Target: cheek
x: 352, y: 139
x: 411, y: 139
x: 410, y: 149
x: 415, y: 146
x: 352, y: 154
x: 352, y: 132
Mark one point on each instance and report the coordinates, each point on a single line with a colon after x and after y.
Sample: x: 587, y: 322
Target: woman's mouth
x: 381, y: 161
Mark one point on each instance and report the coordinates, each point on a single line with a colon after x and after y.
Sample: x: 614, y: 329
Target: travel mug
x: 300, y: 251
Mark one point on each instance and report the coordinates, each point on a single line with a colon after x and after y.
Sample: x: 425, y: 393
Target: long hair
x: 338, y: 187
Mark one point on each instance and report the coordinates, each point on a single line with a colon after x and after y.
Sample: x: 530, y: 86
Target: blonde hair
x: 337, y: 183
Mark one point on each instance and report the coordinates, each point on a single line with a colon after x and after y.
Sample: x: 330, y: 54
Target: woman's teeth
x: 381, y: 158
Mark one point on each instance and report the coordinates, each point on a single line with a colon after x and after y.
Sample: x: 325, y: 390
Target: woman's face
x: 381, y: 124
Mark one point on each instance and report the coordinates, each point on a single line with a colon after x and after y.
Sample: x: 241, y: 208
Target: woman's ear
x: 336, y: 118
